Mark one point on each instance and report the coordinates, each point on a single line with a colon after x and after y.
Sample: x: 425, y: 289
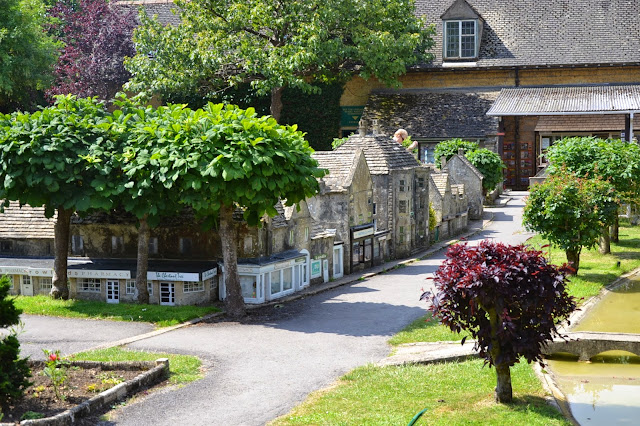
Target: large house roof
x: 434, y: 114
x: 25, y: 222
x: 547, y: 32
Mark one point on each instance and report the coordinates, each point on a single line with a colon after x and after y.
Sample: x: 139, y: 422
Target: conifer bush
x: 14, y: 371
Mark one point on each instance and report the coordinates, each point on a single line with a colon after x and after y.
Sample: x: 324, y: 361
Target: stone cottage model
x: 400, y: 204
x: 463, y: 172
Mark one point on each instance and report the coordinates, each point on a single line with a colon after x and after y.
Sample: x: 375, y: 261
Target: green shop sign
x: 316, y: 268
x: 350, y: 115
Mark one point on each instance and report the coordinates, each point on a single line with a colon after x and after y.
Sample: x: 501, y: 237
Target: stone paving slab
x: 429, y: 352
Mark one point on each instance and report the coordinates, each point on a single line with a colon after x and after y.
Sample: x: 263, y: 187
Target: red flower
x: 53, y: 357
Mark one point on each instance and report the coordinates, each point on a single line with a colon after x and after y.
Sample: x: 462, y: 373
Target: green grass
x: 425, y: 329
x: 184, y: 368
x: 453, y: 393
x: 161, y: 316
x: 598, y: 270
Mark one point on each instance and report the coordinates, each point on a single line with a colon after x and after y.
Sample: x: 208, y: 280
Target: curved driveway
x: 261, y: 368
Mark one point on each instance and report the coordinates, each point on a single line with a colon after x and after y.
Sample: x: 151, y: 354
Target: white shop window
x: 130, y: 287
x: 281, y: 282
x: 89, y: 285
x: 193, y: 287
x: 45, y: 283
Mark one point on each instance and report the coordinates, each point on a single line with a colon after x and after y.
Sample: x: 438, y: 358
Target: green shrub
x: 450, y: 147
x: 14, y: 372
x: 433, y: 222
x: 490, y: 165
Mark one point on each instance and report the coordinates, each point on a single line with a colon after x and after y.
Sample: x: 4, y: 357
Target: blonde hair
x: 402, y: 132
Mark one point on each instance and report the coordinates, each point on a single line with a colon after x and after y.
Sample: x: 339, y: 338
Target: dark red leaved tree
x: 96, y: 36
x: 508, y: 297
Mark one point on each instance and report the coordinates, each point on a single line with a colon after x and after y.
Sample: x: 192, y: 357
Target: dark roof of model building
x: 434, y: 114
x: 165, y: 10
x: 544, y: 32
x: 381, y: 152
x: 341, y: 165
x: 25, y: 222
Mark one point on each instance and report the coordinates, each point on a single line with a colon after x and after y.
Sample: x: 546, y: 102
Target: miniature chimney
x: 443, y: 162
x: 375, y: 126
x: 460, y: 151
x: 362, y: 127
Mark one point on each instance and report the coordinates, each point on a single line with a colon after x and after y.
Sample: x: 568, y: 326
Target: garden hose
x: 416, y: 417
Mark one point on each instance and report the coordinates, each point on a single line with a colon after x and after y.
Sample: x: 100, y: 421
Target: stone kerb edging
x: 156, y: 370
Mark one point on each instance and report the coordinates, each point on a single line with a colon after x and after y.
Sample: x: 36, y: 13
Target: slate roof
x: 547, y: 32
x: 441, y: 181
x: 166, y: 10
x: 319, y: 231
x: 380, y: 151
x: 567, y: 100
x: 339, y: 164
x: 26, y: 222
x: 434, y: 114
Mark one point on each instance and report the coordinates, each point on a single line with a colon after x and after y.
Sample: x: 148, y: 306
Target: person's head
x: 400, y: 135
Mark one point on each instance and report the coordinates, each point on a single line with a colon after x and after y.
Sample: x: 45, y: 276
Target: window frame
x: 192, y: 286
x: 88, y: 285
x: 460, y: 36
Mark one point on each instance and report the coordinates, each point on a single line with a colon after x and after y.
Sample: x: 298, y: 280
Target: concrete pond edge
x: 155, y: 372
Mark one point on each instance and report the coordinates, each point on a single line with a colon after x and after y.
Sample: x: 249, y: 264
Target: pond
x: 606, y: 390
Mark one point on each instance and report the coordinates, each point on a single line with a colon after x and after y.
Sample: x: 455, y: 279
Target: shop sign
x: 13, y: 270
x: 173, y: 276
x: 42, y: 272
x: 316, y: 268
x: 248, y: 269
x: 210, y: 273
x: 301, y: 260
x: 95, y: 273
x: 362, y: 233
x: 320, y: 256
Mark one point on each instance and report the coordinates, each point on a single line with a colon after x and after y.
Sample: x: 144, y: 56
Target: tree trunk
x: 504, y: 392
x: 276, y: 102
x: 605, y: 241
x: 233, y: 302
x: 59, y: 286
x: 615, y: 230
x: 573, y: 259
x: 143, y: 261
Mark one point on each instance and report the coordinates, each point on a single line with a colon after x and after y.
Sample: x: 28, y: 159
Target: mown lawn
x: 453, y: 393
x: 161, y: 316
x: 184, y: 368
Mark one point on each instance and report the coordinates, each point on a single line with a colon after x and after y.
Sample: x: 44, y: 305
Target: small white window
x: 117, y: 244
x: 193, y: 287
x: 77, y: 245
x: 306, y: 233
x: 131, y: 287
x: 292, y: 237
x: 91, y: 285
x: 45, y: 283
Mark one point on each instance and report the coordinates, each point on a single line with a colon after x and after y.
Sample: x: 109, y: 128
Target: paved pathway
x: 261, y: 368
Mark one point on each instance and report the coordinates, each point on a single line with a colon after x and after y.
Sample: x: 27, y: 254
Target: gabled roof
x: 441, y: 181
x: 460, y: 9
x: 341, y: 166
x: 434, y: 114
x: 467, y: 163
x: 381, y: 152
x: 547, y: 32
x: 25, y: 222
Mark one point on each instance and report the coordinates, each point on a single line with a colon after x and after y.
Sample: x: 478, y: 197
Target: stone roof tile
x: 25, y: 222
x: 381, y: 152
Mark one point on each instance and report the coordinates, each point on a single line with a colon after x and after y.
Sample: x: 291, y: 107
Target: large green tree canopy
x: 276, y: 44
x: 27, y: 53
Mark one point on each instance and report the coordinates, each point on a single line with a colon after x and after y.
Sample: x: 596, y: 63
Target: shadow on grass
x: 631, y: 243
x: 535, y: 404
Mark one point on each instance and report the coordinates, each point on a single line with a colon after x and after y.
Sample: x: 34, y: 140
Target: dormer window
x: 460, y: 39
x: 462, y: 29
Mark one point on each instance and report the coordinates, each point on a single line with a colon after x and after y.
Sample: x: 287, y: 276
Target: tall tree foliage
x: 97, y: 37
x: 273, y: 45
x: 27, y: 53
x: 570, y: 211
x: 56, y: 158
x: 614, y: 160
x: 237, y: 160
x: 510, y: 298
